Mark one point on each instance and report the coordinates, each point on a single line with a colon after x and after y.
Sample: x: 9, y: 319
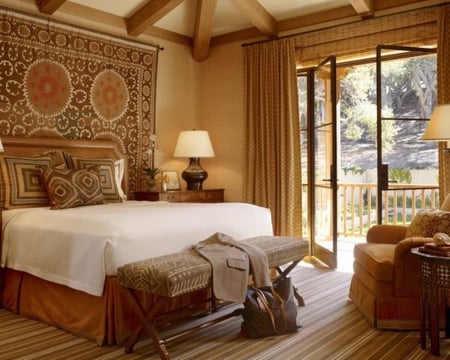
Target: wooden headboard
x: 26, y: 146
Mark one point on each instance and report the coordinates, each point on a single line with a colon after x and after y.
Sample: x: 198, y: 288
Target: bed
x: 59, y: 264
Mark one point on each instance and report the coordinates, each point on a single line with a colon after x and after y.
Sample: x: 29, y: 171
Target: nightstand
x: 202, y: 196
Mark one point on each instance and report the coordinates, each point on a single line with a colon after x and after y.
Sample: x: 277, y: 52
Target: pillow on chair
x: 428, y: 222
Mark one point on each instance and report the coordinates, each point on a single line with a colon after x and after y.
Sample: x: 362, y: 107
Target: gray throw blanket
x: 232, y: 261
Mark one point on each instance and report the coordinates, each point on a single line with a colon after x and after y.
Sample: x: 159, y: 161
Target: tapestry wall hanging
x: 60, y: 81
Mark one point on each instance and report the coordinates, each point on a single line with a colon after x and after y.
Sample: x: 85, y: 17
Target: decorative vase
x: 163, y: 186
x: 152, y: 184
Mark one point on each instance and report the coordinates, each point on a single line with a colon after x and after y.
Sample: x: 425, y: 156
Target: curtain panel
x: 272, y: 176
x: 443, y: 74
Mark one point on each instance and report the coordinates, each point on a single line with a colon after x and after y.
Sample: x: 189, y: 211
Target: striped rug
x: 332, y: 328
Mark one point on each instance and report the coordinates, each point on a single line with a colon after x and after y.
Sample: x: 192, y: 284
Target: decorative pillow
x: 22, y: 183
x: 107, y: 172
x: 58, y: 158
x: 428, y: 222
x: 68, y: 188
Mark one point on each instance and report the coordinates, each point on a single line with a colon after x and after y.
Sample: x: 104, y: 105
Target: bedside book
x: 433, y: 249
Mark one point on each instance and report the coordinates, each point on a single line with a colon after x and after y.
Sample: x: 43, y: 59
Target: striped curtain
x: 272, y: 175
x: 443, y: 74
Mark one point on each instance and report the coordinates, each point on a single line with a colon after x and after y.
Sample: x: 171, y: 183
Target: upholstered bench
x: 187, y: 271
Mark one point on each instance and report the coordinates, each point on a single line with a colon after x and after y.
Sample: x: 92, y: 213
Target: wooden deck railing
x: 358, y: 205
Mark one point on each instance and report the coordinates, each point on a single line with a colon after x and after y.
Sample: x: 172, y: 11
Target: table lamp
x: 194, y: 144
x: 438, y: 128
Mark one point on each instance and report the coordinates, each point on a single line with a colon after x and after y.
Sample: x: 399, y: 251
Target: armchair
x: 385, y: 283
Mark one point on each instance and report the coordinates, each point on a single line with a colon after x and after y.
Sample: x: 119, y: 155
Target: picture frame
x: 172, y: 179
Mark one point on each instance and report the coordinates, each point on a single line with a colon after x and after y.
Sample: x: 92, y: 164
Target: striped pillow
x: 106, y: 169
x: 68, y: 188
x: 21, y: 180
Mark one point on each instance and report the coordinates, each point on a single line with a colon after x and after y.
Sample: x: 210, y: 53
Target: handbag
x: 269, y: 311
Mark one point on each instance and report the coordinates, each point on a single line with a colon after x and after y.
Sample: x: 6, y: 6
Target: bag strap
x: 269, y: 311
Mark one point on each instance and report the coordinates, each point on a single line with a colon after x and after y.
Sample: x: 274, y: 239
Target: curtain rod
x: 331, y: 26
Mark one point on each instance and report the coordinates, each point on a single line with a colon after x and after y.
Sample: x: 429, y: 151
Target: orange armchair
x: 385, y: 283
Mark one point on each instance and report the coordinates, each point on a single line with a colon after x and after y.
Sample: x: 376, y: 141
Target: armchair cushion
x: 376, y: 259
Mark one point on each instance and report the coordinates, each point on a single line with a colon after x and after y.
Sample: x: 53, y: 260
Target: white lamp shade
x: 438, y: 128
x: 2, y: 149
x: 193, y: 144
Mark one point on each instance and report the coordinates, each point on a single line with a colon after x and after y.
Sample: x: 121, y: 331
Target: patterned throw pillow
x: 68, y: 188
x: 22, y: 183
x: 428, y: 222
x: 107, y: 172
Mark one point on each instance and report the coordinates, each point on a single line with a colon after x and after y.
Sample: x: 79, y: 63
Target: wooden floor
x: 332, y: 328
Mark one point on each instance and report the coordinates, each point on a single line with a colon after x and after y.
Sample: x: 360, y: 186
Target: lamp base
x: 194, y: 175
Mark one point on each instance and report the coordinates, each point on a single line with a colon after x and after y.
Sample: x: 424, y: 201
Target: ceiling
x: 206, y: 23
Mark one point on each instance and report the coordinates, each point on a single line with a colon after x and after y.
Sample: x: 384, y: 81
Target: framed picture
x: 172, y: 179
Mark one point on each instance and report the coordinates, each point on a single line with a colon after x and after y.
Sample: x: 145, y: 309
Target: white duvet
x: 78, y: 247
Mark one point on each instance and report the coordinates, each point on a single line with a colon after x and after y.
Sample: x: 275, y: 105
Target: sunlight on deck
x: 345, y: 255
x: 345, y: 252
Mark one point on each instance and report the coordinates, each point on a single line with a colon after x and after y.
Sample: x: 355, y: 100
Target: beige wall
x: 176, y: 102
x: 207, y: 96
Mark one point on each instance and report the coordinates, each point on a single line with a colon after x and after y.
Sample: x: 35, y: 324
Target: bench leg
x: 284, y: 273
x: 146, y: 322
x: 132, y: 340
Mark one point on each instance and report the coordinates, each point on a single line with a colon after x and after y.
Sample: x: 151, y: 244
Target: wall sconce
x: 438, y: 128
x: 2, y: 149
x: 194, y: 144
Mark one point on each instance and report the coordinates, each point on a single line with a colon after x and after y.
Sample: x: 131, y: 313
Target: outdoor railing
x: 358, y: 205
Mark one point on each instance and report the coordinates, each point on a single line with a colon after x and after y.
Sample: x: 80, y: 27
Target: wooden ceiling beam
x: 149, y: 14
x: 49, y: 6
x: 363, y: 7
x: 203, y: 28
x: 258, y: 16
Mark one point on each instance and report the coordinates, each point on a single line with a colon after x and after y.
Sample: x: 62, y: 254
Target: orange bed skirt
x: 106, y: 319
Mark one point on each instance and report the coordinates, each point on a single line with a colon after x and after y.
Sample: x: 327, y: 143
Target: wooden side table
x: 434, y: 293
x: 202, y: 196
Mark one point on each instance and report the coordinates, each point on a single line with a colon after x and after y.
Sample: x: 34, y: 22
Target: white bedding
x: 78, y: 247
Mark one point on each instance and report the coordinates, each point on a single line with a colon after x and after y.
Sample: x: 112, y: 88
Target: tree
x: 408, y: 90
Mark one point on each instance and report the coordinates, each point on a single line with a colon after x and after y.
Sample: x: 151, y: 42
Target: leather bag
x: 269, y: 311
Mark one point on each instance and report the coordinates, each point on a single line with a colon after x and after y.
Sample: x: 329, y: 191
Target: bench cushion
x: 187, y: 271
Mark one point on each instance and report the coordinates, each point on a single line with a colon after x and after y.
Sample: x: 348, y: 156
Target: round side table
x: 434, y: 295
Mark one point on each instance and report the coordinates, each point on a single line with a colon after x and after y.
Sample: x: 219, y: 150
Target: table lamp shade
x: 438, y: 128
x: 194, y: 145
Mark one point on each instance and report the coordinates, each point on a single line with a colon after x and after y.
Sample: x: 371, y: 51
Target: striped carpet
x: 331, y: 329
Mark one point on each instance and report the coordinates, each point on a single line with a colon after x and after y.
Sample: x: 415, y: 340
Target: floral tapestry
x: 60, y: 81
